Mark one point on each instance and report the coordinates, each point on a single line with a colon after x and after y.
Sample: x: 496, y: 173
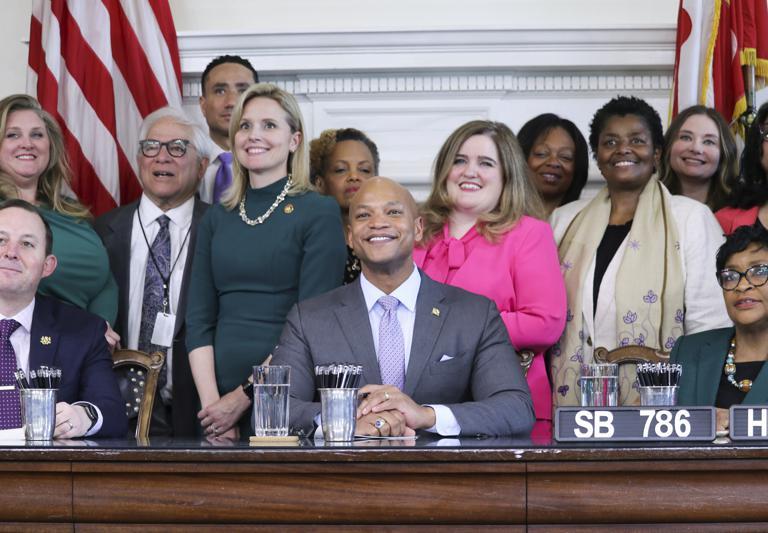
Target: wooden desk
x: 496, y: 484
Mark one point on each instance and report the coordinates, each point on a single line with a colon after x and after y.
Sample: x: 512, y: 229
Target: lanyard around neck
x: 166, y: 280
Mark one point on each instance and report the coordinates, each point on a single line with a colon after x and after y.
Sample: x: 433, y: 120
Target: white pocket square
x: 445, y: 358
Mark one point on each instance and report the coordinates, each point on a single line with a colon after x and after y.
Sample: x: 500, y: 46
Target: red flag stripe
x: 132, y: 62
x: 164, y: 19
x: 99, y: 69
x: 122, y: 110
x: 77, y: 115
x: 86, y: 68
x: 156, y: 49
x: 90, y: 188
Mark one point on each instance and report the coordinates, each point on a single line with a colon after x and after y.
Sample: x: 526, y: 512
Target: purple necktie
x: 223, y: 176
x: 391, y: 344
x: 10, y: 404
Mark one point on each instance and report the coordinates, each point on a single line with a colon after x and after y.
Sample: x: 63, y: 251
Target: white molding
x: 517, y: 82
x: 438, y: 49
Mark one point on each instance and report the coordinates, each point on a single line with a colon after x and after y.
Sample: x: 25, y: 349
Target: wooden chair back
x: 631, y: 354
x: 137, y: 374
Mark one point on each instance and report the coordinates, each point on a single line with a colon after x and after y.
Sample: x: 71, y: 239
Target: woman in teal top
x: 726, y: 366
x: 271, y: 243
x: 82, y: 276
x: 34, y: 167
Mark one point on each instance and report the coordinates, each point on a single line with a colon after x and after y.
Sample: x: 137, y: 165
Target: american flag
x: 100, y: 66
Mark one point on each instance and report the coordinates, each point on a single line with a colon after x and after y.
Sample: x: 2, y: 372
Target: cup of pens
x: 338, y: 385
x: 38, y: 401
x: 658, y: 383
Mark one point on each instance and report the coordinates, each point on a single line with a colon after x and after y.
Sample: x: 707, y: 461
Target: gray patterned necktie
x: 391, y: 344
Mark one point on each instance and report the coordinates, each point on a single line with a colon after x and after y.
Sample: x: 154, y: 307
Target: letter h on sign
x: 760, y: 424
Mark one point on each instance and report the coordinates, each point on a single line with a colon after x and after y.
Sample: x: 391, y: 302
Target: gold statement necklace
x: 265, y: 216
x: 745, y: 385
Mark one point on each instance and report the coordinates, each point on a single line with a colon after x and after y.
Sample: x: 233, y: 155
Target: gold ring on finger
x: 386, y: 396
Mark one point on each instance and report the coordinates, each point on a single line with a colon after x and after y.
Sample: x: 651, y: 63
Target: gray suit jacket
x: 115, y: 230
x: 482, y: 382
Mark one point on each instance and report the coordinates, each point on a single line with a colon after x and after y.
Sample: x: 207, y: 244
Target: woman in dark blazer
x: 726, y: 366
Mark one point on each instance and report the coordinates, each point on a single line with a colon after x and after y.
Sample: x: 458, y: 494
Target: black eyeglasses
x: 756, y: 275
x: 175, y: 147
x: 763, y: 132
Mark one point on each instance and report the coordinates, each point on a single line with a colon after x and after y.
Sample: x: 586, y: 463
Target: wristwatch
x: 92, y: 414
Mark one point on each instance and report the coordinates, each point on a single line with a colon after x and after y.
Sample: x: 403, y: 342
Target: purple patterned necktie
x: 10, y: 404
x: 223, y: 176
x: 391, y: 344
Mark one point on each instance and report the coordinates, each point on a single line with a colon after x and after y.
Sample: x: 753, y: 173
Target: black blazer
x: 115, y: 230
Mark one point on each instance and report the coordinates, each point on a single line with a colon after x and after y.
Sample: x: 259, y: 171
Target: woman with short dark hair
x: 637, y: 261
x: 725, y: 367
x: 557, y: 155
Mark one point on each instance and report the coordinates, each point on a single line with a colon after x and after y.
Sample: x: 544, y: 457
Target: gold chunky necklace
x: 265, y: 216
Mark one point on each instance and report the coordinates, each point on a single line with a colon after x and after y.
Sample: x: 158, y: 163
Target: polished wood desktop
x: 473, y: 484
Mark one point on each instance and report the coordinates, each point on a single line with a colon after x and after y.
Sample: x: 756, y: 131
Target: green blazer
x: 703, y: 356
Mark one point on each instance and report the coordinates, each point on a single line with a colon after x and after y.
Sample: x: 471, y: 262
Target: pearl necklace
x: 745, y: 385
x: 265, y: 216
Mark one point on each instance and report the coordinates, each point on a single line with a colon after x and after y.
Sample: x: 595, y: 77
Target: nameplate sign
x: 632, y: 424
x: 748, y: 422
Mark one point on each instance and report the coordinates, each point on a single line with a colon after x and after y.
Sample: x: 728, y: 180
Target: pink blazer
x: 731, y: 218
x: 521, y: 273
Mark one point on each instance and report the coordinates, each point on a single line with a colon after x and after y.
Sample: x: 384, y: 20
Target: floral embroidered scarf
x: 649, y: 288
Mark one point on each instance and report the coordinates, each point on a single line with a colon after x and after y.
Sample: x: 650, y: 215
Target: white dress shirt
x: 179, y: 229
x: 20, y: 342
x: 407, y: 294
x: 209, y: 178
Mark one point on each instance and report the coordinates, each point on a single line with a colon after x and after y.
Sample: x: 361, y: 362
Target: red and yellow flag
x: 715, y: 39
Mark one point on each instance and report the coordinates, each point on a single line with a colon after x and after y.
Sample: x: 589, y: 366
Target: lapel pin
x: 436, y: 311
x: 288, y: 209
x: 45, y: 340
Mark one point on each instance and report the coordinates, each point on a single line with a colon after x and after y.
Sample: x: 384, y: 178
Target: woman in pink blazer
x: 481, y: 234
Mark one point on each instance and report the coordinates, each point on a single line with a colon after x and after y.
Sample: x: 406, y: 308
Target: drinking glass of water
x: 599, y: 385
x: 271, y: 387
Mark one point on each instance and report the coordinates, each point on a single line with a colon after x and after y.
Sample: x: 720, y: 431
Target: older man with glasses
x: 151, y: 244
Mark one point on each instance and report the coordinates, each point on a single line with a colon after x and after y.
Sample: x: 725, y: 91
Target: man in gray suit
x: 151, y: 245
x: 435, y: 357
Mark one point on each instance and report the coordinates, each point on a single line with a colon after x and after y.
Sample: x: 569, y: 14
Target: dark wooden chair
x: 631, y: 354
x: 137, y: 374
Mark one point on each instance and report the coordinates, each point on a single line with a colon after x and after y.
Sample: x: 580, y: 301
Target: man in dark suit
x: 150, y: 245
x: 38, y: 330
x: 435, y: 357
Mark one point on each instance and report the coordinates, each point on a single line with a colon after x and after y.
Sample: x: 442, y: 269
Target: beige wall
x: 349, y: 15
x: 303, y: 15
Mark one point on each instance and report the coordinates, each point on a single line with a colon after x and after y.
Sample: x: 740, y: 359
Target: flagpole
x: 750, y: 114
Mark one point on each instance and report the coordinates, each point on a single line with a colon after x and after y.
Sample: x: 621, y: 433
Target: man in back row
x: 37, y: 330
x: 435, y: 357
x: 224, y: 80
